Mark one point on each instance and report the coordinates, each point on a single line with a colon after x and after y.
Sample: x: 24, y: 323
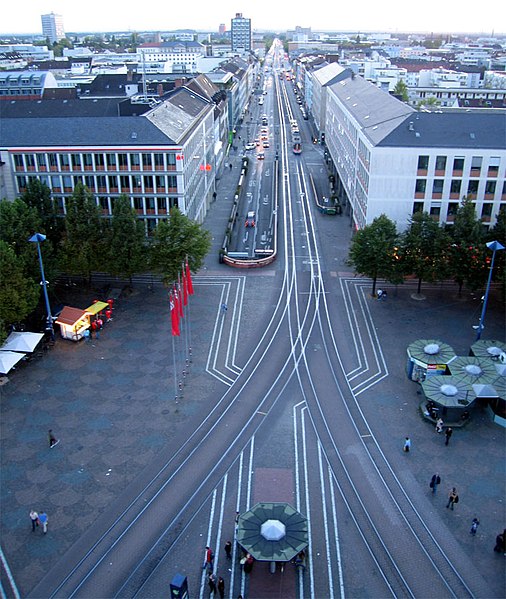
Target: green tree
x: 38, y: 196
x: 126, y: 248
x: 174, y: 240
x: 401, y: 90
x: 83, y: 249
x: 373, y: 251
x: 18, y: 222
x: 467, y: 264
x: 425, y: 247
x: 20, y: 295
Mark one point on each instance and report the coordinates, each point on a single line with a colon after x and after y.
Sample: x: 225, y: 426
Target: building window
x: 421, y: 185
x: 18, y: 162
x: 490, y: 187
x: 493, y: 166
x: 440, y: 164
x: 159, y: 164
x: 171, y: 162
x: 455, y: 186
x: 423, y: 163
x: 135, y: 161
x: 53, y: 161
x: 123, y: 162
x: 486, y: 212
x: 99, y: 162
x: 76, y: 162
x: 472, y: 188
x: 41, y: 162
x: 138, y: 205
x: 476, y: 163
x: 101, y: 183
x: 458, y: 165
x: 124, y: 182
x: 452, y: 211
x: 64, y: 162
x: 111, y: 162
x: 67, y: 183
x: 113, y: 183
x: 89, y: 182
x: 172, y: 182
x: 437, y: 187
x: 88, y: 162
x: 435, y: 211
x: 417, y: 207
x: 146, y: 162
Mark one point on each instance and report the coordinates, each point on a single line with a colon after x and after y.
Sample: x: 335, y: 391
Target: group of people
x: 96, y: 325
x: 39, y: 519
x: 216, y: 584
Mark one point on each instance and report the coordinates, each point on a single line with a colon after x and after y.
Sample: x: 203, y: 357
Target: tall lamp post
x: 495, y: 246
x: 37, y: 238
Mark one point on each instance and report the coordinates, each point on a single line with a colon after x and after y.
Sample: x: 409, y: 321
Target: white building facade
x: 389, y: 159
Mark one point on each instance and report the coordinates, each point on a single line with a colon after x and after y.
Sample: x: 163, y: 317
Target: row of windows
x: 459, y: 163
x: 95, y: 161
x: 489, y: 187
x: 435, y: 210
x: 142, y: 205
x: 106, y: 183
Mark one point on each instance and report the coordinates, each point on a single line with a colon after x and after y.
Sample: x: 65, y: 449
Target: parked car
x: 250, y: 146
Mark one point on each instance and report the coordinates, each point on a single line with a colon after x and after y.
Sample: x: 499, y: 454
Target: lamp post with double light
x: 38, y: 238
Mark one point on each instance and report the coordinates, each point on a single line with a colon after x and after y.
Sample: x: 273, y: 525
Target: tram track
x: 373, y: 494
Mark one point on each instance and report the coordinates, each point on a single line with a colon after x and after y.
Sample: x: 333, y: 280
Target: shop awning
x: 96, y: 308
x: 23, y: 342
x: 69, y: 316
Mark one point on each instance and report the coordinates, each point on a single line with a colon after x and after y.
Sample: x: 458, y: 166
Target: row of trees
x: 428, y: 251
x: 84, y: 242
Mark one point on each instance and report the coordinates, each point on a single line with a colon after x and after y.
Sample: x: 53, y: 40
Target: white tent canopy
x: 24, y: 342
x: 8, y: 359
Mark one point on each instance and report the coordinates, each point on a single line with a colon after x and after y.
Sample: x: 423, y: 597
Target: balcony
x: 489, y: 196
x: 485, y: 219
x: 419, y: 195
x: 450, y: 218
x: 135, y: 167
x: 457, y: 173
x: 421, y: 172
x: 475, y: 172
x: 437, y: 195
x: 88, y: 168
x: 492, y: 173
x: 439, y: 173
x: 454, y: 195
x: 42, y: 169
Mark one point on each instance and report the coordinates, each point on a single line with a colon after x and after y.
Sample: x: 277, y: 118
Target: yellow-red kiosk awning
x: 96, y: 308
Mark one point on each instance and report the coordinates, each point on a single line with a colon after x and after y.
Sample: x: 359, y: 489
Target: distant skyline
x: 382, y: 16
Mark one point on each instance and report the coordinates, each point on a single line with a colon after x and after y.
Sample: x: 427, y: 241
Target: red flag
x: 174, y: 316
x: 178, y: 300
x: 189, y: 279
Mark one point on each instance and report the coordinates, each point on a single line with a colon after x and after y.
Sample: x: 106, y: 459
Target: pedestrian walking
x: 211, y: 581
x: 474, y: 526
x: 43, y: 519
x: 34, y: 517
x: 448, y: 434
x: 434, y: 482
x: 208, y: 559
x: 439, y: 425
x: 228, y: 549
x: 224, y: 308
x: 230, y: 166
x: 453, y: 498
x: 86, y: 335
x: 407, y: 444
x: 221, y: 587
x: 52, y: 439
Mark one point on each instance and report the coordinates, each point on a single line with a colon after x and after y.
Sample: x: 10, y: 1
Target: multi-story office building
x: 390, y: 159
x: 166, y: 157
x: 241, y: 35
x: 52, y: 27
x: 180, y: 55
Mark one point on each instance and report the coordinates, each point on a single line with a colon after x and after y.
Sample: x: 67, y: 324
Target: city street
x: 297, y: 393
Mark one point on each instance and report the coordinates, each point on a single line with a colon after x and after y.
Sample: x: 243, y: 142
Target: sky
x: 23, y: 16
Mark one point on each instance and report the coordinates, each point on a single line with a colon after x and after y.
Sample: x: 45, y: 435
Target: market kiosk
x: 73, y: 322
x: 428, y: 357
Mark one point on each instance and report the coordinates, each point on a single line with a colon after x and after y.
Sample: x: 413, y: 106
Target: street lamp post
x: 37, y: 238
x: 495, y: 246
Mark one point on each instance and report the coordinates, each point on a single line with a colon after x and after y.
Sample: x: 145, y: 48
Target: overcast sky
x: 23, y: 16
